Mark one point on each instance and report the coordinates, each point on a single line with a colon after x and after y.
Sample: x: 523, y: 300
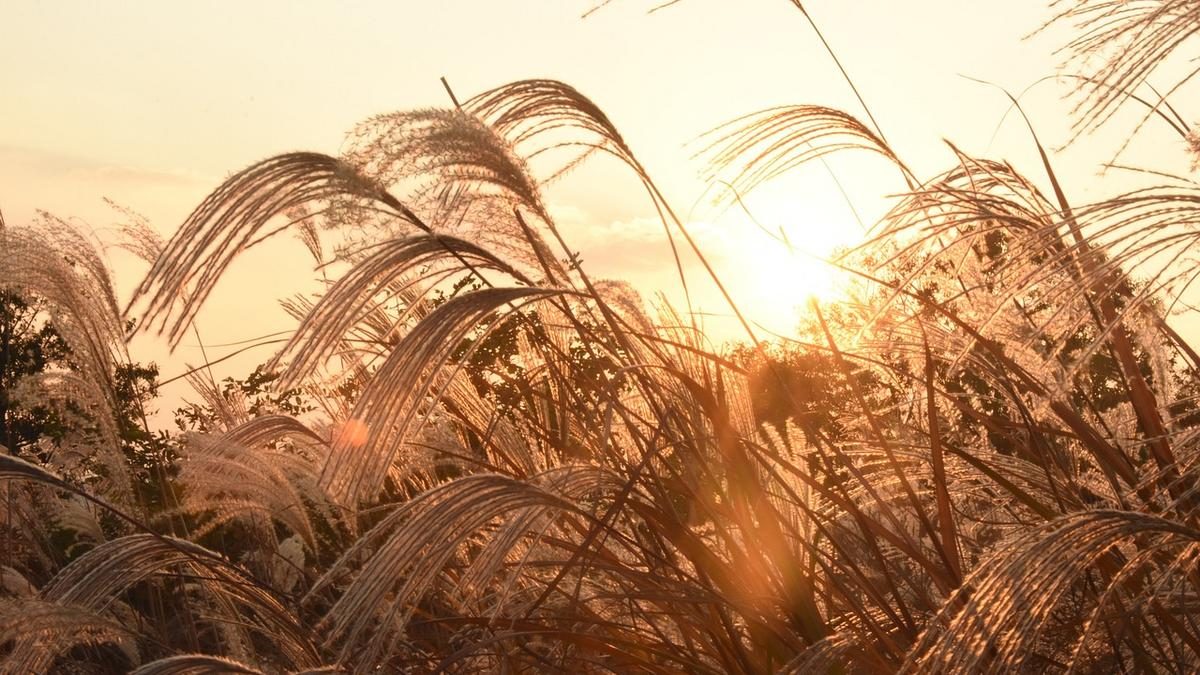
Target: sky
x: 151, y: 105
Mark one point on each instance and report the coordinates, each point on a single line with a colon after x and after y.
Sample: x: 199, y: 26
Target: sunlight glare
x: 778, y: 259
x: 351, y: 433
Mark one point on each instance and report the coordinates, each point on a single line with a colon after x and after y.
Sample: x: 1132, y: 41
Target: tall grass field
x: 470, y: 455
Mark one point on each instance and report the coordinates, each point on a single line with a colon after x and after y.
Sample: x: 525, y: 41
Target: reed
x: 515, y: 467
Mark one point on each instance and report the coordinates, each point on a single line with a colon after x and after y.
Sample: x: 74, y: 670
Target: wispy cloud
x: 55, y: 164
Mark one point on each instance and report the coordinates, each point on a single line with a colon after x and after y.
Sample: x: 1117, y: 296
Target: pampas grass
x: 539, y: 473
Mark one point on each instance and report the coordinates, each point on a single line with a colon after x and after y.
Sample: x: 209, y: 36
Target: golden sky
x: 152, y: 104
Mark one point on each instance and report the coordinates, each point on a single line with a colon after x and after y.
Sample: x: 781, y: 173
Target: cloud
x: 53, y: 165
x: 583, y: 230
x: 636, y: 250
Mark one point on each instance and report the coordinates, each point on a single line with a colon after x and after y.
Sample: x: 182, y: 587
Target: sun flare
x: 779, y: 255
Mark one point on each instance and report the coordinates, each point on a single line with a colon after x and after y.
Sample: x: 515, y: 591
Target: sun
x: 777, y: 255
x: 791, y: 277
